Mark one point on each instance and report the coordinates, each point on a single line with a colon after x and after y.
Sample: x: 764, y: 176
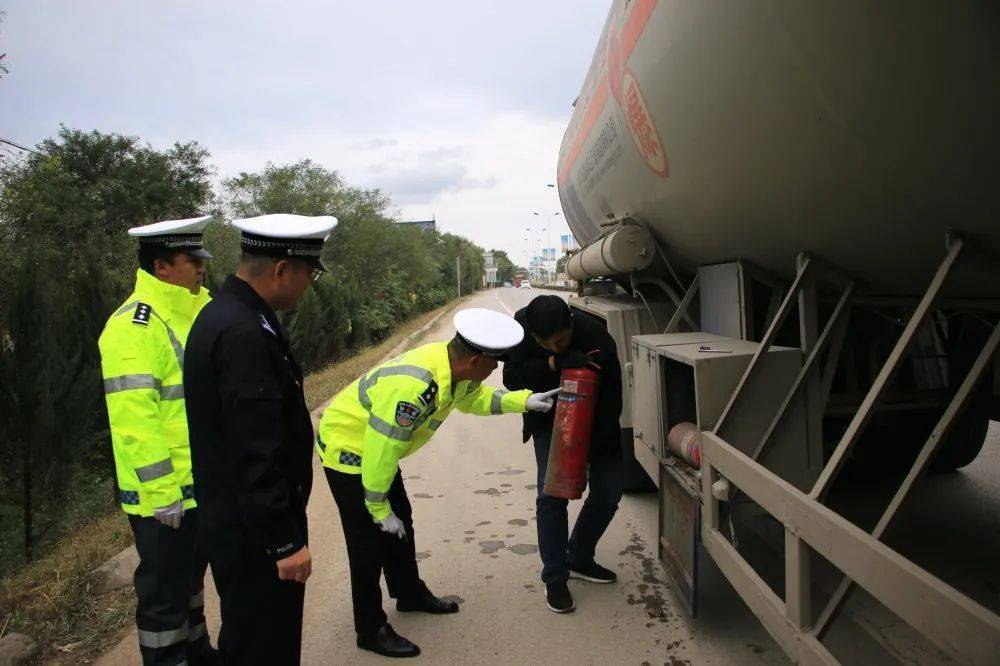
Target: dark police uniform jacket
x: 251, y: 433
x: 527, y: 366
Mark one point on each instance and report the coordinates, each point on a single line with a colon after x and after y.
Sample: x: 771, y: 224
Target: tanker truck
x: 789, y: 221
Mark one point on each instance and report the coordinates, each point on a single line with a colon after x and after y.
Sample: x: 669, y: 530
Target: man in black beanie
x: 556, y: 341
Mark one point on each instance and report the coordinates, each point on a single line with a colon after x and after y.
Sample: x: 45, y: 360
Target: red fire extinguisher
x: 566, y: 474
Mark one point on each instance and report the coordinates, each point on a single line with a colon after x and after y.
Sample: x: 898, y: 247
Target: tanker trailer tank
x: 819, y: 179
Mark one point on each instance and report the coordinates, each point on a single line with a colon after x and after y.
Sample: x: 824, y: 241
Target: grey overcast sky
x: 455, y: 108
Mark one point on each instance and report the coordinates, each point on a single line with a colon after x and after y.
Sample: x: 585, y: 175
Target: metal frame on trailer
x: 919, y: 465
x: 889, y: 369
x: 945, y: 616
x: 948, y: 618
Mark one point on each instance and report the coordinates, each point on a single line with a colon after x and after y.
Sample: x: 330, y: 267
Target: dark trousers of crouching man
x: 370, y: 551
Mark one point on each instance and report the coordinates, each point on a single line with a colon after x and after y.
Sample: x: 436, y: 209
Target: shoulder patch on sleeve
x: 406, y: 413
x: 428, y: 396
x: 142, y: 314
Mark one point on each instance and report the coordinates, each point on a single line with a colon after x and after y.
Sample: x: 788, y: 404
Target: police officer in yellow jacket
x: 390, y: 413
x: 142, y: 356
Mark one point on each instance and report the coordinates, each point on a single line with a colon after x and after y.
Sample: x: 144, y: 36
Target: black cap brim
x: 200, y: 253
x: 315, y: 262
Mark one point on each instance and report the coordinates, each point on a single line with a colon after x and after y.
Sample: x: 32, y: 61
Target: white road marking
x: 502, y: 304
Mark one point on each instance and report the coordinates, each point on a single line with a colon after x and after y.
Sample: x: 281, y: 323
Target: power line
x: 19, y: 146
x: 85, y: 167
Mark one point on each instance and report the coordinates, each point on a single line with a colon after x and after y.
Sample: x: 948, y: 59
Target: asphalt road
x: 473, y: 494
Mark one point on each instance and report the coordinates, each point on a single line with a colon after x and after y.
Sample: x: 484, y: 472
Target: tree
x: 90, y: 187
x: 506, y: 269
x: 304, y: 188
x: 51, y: 411
x: 380, y: 272
x: 67, y: 264
x: 3, y: 65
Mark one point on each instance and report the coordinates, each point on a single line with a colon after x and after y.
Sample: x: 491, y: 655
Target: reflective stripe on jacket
x: 390, y: 412
x: 142, y: 356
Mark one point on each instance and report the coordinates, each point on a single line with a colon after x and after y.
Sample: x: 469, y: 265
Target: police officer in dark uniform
x: 251, y: 439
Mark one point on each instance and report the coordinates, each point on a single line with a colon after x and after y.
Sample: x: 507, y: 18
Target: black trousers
x: 558, y: 549
x: 370, y: 550
x: 261, y: 615
x: 169, y: 584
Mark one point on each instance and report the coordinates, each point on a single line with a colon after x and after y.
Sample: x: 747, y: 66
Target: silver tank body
x: 859, y: 131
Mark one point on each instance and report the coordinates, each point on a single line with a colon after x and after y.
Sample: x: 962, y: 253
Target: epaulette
x: 427, y: 397
x: 142, y: 314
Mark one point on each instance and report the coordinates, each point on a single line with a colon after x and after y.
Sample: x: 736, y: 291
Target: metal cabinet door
x: 646, y: 416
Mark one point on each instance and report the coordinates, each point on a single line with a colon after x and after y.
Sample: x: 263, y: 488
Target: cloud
x: 480, y: 183
x: 375, y: 144
x: 421, y: 177
x: 466, y: 125
x: 444, y: 153
x: 421, y: 183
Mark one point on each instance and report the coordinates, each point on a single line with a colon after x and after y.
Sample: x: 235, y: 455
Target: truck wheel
x: 969, y: 432
x: 634, y: 477
x: 891, y: 441
x: 967, y: 436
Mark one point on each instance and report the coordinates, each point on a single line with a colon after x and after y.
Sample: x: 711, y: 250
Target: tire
x: 969, y: 432
x: 891, y: 442
x: 968, y: 435
x: 634, y: 477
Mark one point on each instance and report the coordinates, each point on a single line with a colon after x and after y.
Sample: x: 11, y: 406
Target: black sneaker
x: 558, y: 598
x: 593, y: 572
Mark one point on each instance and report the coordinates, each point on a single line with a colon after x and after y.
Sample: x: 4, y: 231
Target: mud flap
x: 679, y: 535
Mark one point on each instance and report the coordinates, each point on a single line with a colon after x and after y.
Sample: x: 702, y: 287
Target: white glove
x: 541, y: 402
x: 171, y: 514
x: 392, y: 525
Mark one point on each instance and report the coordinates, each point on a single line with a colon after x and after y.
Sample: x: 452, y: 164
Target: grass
x: 323, y: 384
x: 55, y: 599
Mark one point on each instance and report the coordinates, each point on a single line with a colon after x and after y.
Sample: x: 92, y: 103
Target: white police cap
x: 487, y: 331
x: 175, y: 235
x: 286, y: 235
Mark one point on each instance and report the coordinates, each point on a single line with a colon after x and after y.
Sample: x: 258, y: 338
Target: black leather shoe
x: 388, y: 643
x: 428, y: 604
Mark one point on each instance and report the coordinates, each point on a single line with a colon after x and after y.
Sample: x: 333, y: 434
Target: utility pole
x: 458, y: 273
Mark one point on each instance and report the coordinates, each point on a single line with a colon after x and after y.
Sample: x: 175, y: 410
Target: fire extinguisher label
x: 571, y: 385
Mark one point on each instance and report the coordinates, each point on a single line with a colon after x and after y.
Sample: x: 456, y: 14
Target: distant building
x: 489, y: 270
x: 423, y: 225
x: 569, y: 243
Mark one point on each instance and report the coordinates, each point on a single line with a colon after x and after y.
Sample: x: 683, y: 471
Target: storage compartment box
x: 681, y: 377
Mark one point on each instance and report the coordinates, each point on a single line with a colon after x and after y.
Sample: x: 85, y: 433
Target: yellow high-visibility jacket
x: 393, y: 410
x: 142, y: 358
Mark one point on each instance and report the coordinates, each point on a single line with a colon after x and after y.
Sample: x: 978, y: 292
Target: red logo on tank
x: 647, y: 139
